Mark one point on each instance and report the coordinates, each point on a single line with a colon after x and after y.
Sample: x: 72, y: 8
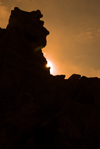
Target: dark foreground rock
x: 38, y: 110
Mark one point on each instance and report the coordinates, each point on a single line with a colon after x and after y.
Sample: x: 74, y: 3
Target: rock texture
x: 38, y: 110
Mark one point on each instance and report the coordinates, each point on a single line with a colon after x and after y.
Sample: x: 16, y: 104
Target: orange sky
x: 73, y: 45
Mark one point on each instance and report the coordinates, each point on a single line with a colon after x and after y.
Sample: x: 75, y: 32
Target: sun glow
x: 49, y: 64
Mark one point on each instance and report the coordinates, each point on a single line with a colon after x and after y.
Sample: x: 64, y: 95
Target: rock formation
x: 38, y: 110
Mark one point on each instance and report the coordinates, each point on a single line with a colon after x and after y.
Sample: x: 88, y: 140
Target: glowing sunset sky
x: 73, y: 45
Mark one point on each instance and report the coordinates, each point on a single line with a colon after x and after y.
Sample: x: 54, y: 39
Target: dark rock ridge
x: 38, y: 110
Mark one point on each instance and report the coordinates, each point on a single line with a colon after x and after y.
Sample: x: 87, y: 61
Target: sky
x: 73, y: 45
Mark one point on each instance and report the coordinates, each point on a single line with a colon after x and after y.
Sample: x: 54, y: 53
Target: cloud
x: 99, y: 30
x: 85, y: 35
x: 88, y: 35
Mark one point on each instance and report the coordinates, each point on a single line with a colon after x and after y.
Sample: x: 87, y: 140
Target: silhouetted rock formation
x: 38, y: 110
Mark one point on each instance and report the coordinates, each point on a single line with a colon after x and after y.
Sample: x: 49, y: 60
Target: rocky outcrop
x: 38, y: 110
x: 21, y: 52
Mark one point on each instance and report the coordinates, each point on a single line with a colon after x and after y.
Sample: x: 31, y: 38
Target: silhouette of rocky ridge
x: 39, y: 110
